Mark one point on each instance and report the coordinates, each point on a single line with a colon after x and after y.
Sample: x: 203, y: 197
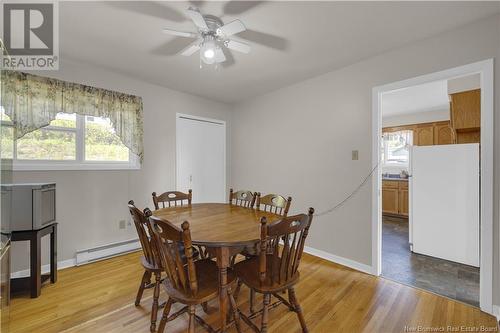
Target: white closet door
x: 201, y: 158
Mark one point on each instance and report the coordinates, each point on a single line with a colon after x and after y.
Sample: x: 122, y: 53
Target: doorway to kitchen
x: 430, y: 224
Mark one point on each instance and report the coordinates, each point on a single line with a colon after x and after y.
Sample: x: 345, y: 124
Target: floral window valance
x: 32, y: 102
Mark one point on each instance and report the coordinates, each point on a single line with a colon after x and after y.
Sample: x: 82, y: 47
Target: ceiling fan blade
x: 238, y: 46
x: 219, y: 55
x: 179, y: 33
x: 231, y: 28
x: 197, y: 18
x: 229, y: 58
x: 171, y: 47
x: 191, y: 48
x: 269, y: 40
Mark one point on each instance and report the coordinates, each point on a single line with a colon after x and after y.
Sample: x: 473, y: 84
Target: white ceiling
x: 300, y: 39
x: 422, y: 98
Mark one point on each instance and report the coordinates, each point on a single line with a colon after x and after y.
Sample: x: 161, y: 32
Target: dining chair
x: 193, y: 283
x: 242, y: 198
x: 172, y: 198
x: 150, y: 262
x: 275, y: 270
x: 273, y: 203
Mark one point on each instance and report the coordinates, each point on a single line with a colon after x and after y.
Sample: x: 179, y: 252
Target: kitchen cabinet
x: 428, y: 134
x: 443, y: 134
x: 465, y: 115
x: 423, y: 135
x: 390, y: 200
x: 466, y: 110
x: 395, y: 197
x: 403, y: 202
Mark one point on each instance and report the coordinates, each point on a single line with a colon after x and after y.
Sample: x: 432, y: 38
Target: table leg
x: 35, y: 265
x: 53, y: 254
x: 223, y: 264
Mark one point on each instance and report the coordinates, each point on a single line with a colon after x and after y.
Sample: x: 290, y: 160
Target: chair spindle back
x: 274, y: 203
x: 292, y: 232
x: 242, y: 198
x: 144, y: 232
x: 172, y: 198
x: 181, y: 274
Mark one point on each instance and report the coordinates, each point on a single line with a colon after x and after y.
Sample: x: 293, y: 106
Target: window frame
x: 79, y: 163
x: 385, y: 161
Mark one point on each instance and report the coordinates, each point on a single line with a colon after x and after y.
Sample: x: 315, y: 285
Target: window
x: 71, y: 141
x: 395, y: 148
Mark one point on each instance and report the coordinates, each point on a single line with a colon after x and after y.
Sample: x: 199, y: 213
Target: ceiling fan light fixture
x: 212, y: 38
x: 208, y: 51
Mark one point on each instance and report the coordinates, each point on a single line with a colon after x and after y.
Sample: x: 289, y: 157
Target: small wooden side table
x: 35, y: 280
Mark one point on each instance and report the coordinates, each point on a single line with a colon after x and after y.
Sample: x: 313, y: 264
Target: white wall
x: 302, y: 136
x: 90, y: 203
x: 416, y: 118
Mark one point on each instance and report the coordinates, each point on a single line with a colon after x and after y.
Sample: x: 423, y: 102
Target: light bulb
x: 208, y: 51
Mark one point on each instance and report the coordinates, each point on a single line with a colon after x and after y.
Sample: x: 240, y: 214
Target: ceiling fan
x: 212, y: 37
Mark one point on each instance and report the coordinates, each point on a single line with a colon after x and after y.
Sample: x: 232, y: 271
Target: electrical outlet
x: 355, y: 155
x: 122, y: 224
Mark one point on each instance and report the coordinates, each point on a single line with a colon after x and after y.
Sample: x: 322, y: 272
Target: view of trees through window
x: 60, y: 140
x: 395, y: 147
x: 101, y: 142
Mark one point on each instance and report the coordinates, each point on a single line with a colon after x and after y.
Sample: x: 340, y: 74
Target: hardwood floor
x: 100, y: 298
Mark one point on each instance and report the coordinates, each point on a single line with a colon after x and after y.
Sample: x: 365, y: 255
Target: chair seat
x: 208, y: 283
x: 248, y: 272
x: 148, y: 266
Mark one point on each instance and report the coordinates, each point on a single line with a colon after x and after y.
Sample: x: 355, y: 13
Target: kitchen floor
x: 443, y: 277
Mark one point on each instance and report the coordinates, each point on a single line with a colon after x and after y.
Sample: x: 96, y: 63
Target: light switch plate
x: 355, y: 156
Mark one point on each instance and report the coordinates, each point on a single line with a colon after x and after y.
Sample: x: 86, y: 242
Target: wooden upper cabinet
x: 428, y: 134
x: 423, y: 135
x: 443, y: 134
x: 466, y: 110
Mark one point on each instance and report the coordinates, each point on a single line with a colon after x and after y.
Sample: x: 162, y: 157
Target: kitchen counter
x: 395, y: 179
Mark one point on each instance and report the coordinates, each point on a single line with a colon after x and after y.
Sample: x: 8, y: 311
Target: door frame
x: 179, y: 116
x: 485, y: 69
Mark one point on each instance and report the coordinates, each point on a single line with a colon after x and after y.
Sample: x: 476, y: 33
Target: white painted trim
x: 339, y: 260
x: 133, y: 164
x: 485, y: 68
x: 212, y: 120
x: 496, y: 312
x: 45, y: 269
x: 106, y: 251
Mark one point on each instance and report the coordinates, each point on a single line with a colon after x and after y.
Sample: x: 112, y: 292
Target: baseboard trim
x: 310, y: 250
x: 339, y: 260
x: 106, y: 251
x: 45, y: 269
x: 496, y: 312
x: 87, y: 256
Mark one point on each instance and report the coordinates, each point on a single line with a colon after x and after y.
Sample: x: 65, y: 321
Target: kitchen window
x: 395, y: 148
x: 70, y: 142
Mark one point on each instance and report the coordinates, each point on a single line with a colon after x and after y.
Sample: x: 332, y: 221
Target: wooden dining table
x: 224, y: 230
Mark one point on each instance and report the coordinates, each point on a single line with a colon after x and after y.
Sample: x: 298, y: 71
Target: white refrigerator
x: 444, y: 202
